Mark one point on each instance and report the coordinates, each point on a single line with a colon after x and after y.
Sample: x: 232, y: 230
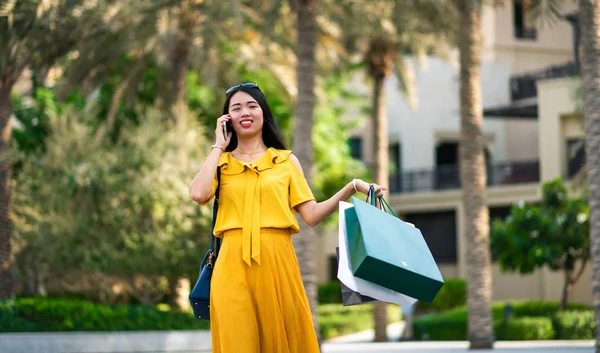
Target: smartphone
x: 226, y: 124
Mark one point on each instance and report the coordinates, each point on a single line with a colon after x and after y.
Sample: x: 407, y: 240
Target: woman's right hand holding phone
x: 201, y: 186
x: 221, y: 139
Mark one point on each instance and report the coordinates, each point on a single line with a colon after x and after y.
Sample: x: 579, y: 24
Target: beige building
x: 530, y: 124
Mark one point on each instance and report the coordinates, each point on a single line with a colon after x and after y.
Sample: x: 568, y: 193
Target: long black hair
x: 270, y: 134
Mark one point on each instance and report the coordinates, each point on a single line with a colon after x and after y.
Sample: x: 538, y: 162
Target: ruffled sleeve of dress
x: 224, y: 163
x: 299, y: 190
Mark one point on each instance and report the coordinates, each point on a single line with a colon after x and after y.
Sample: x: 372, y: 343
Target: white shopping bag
x: 359, y: 285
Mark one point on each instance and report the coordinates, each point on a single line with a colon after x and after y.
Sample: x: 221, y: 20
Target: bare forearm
x: 321, y: 210
x: 201, y: 185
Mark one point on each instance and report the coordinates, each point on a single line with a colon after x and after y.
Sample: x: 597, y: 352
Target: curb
x: 106, y: 342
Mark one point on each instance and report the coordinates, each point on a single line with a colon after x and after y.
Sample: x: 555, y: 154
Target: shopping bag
x: 389, y: 252
x: 356, y: 286
x: 350, y: 297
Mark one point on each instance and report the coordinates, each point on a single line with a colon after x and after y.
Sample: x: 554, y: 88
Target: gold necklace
x: 253, y: 153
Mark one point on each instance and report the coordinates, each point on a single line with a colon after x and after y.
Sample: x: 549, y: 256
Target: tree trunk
x: 473, y: 180
x: 6, y: 280
x: 179, y: 291
x: 380, y: 126
x: 303, y: 147
x: 180, y: 58
x: 589, y: 12
x: 564, y: 299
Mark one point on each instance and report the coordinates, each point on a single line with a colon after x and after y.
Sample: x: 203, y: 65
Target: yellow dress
x: 258, y: 303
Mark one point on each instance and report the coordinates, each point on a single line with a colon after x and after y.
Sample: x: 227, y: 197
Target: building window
x: 575, y: 156
x: 439, y: 232
x: 446, y: 174
x: 522, y: 29
x: 355, y: 144
x: 395, y: 167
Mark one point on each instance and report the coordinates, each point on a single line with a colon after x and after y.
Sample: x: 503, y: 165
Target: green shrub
x: 330, y: 293
x: 452, y: 324
x: 574, y: 325
x: 452, y: 294
x: 542, y: 308
x: 449, y: 326
x: 43, y: 314
x: 337, y: 325
x: 336, y: 319
x: 525, y: 328
x: 10, y: 321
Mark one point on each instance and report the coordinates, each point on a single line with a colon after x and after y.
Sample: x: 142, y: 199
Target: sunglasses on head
x: 245, y: 85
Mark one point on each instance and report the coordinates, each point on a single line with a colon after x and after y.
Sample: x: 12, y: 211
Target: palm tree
x: 473, y: 179
x: 6, y: 84
x: 391, y: 31
x: 472, y: 164
x: 181, y: 53
x: 306, y: 14
x: 34, y: 35
x: 458, y: 23
x: 589, y: 14
x: 380, y: 58
x: 174, y: 36
x: 385, y: 33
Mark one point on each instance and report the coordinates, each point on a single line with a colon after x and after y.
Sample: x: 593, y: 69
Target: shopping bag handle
x: 383, y: 205
x: 370, y: 196
x: 383, y: 202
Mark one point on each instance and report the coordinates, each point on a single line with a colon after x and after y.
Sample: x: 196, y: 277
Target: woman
x: 258, y: 302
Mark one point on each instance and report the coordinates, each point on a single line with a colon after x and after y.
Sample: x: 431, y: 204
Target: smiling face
x: 246, y: 114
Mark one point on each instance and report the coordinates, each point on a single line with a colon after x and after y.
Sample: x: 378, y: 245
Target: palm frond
x: 544, y: 11
x: 6, y: 7
x: 24, y: 18
x: 128, y: 85
x: 405, y: 73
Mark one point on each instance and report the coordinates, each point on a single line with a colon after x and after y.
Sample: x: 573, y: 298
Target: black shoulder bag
x: 200, y: 294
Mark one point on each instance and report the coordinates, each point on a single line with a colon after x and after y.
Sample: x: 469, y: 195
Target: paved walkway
x: 360, y: 342
x: 199, y: 342
x: 461, y: 347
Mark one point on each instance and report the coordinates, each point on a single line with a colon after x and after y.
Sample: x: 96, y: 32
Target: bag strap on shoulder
x: 216, y: 242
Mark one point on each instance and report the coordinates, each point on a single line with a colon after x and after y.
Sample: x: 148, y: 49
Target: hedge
x: 453, y: 294
x: 330, y: 293
x: 525, y: 329
x: 42, y: 314
x: 574, y: 325
x: 444, y: 327
x: 52, y: 315
x: 531, y: 320
x: 336, y: 320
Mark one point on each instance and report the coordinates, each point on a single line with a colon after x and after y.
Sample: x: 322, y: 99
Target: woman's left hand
x: 364, y: 187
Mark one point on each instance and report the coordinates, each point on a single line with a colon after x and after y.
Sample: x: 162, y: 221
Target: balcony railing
x: 447, y: 177
x: 523, y: 85
x: 525, y: 33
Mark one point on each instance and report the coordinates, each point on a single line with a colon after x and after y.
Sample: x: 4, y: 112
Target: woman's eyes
x: 250, y: 106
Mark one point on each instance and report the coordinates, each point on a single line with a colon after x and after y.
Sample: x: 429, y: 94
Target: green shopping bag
x: 389, y: 252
